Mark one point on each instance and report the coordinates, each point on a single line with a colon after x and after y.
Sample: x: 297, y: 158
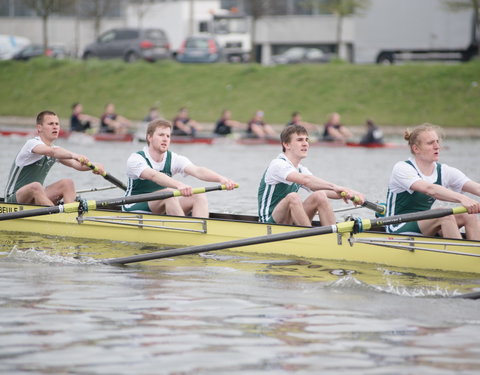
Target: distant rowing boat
x: 200, y: 139
x: 103, y: 137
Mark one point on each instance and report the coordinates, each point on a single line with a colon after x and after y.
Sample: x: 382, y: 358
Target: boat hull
x: 170, y: 231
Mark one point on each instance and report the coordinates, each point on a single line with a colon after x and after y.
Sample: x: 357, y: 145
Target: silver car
x: 130, y: 44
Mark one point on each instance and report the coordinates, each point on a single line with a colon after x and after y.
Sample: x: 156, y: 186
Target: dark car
x: 37, y: 50
x: 130, y: 44
x: 297, y: 55
x: 199, y: 49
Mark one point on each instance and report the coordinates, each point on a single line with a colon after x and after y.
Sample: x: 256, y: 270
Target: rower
x: 278, y: 198
x: 33, y: 162
x: 152, y: 169
x: 416, y: 183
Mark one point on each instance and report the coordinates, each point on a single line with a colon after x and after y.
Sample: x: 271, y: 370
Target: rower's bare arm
x: 312, y: 182
x: 68, y: 158
x: 442, y: 193
x: 162, y: 179
x: 183, y: 127
x: 333, y: 191
x: 236, y: 124
x: 205, y: 174
x: 472, y: 187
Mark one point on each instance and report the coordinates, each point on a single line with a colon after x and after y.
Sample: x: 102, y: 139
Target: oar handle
x: 378, y: 208
x: 107, y: 176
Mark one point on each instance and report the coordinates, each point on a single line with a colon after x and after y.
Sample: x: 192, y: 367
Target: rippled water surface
x: 61, y: 311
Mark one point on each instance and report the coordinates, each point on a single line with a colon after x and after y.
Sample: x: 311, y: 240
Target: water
x: 63, y: 312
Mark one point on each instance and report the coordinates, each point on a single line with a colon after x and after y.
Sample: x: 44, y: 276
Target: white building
x: 389, y: 30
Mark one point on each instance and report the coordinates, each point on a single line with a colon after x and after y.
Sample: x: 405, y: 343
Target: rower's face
x: 428, y: 147
x: 298, y: 145
x: 160, y: 139
x: 50, y: 127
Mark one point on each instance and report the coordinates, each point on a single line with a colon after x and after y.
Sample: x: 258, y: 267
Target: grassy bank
x: 448, y: 95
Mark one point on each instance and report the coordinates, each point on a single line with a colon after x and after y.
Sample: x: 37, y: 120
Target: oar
x: 92, y: 204
x: 108, y: 176
x: 472, y: 295
x: 378, y: 208
x: 344, y: 227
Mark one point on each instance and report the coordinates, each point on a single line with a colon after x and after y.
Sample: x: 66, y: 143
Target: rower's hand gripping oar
x: 378, y: 208
x: 107, y: 176
x: 344, y: 227
x: 85, y: 205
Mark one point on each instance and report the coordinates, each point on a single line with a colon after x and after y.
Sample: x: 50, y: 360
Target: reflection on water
x: 62, y: 311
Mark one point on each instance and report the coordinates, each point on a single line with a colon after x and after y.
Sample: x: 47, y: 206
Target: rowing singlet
x: 405, y: 202
x: 23, y: 175
x: 138, y: 186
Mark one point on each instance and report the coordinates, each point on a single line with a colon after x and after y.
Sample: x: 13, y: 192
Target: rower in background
x: 81, y: 122
x: 334, y: 130
x: 258, y: 128
x: 184, y: 125
x: 111, y: 122
x: 225, y: 125
x: 374, y: 134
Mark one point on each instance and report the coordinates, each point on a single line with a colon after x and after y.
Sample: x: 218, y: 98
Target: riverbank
x: 447, y: 95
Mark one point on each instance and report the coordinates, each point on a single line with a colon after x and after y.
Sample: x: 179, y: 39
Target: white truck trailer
x: 406, y: 30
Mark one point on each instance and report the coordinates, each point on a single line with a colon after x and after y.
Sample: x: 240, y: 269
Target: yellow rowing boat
x: 406, y: 252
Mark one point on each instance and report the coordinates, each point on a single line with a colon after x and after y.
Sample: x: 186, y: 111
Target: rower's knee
x: 320, y: 198
x: 36, y: 187
x: 447, y: 224
x: 294, y: 200
x: 200, y: 199
x: 67, y: 184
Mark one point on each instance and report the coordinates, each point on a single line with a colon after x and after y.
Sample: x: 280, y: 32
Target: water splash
x: 34, y: 255
x: 393, y: 287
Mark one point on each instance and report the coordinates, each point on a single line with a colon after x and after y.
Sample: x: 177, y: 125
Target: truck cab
x: 232, y: 31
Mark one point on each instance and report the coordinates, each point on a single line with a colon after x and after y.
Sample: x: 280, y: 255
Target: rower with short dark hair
x: 153, y: 169
x: 278, y: 198
x: 33, y: 162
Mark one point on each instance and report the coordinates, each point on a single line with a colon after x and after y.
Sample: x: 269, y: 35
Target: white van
x: 11, y: 44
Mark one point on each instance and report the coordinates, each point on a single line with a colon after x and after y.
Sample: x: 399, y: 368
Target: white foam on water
x: 40, y: 256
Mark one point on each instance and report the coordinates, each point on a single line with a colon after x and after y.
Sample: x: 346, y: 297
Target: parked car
x: 11, y: 44
x: 199, y: 49
x: 297, y: 55
x: 37, y: 50
x: 130, y: 44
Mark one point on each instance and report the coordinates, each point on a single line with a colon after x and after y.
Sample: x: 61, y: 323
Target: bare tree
x: 141, y: 8
x: 97, y: 10
x: 43, y: 9
x: 474, y: 5
x: 341, y: 9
